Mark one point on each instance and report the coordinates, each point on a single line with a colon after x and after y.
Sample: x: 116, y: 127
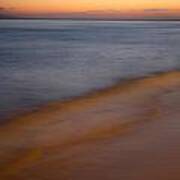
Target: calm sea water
x: 47, y: 60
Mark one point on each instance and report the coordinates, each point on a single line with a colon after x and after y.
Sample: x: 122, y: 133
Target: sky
x: 120, y: 9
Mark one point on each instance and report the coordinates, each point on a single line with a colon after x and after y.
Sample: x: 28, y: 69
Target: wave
x: 96, y: 95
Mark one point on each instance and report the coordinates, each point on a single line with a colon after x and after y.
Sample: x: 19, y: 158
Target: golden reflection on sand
x: 129, y: 131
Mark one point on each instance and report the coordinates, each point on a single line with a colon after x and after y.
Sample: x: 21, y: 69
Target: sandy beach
x: 130, y: 131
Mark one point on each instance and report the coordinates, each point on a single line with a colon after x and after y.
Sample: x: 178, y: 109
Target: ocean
x: 43, y: 61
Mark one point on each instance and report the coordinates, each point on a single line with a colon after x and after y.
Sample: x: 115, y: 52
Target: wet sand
x: 130, y: 131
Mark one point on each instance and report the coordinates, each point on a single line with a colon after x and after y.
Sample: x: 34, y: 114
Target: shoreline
x: 135, y: 122
x: 90, y: 94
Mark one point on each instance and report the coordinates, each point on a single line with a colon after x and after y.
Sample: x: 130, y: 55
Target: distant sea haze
x: 52, y: 60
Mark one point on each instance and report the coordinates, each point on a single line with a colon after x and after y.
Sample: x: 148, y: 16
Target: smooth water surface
x: 47, y: 60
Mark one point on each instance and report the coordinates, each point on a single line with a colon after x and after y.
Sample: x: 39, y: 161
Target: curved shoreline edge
x: 54, y: 105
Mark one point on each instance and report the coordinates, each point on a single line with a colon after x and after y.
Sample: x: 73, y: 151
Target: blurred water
x: 47, y: 60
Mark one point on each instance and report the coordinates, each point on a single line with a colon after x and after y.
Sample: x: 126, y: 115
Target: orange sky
x: 114, y: 8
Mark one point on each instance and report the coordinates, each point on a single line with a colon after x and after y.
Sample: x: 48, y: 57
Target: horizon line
x: 91, y: 19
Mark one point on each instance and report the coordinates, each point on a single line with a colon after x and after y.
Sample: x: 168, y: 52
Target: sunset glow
x: 97, y: 8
